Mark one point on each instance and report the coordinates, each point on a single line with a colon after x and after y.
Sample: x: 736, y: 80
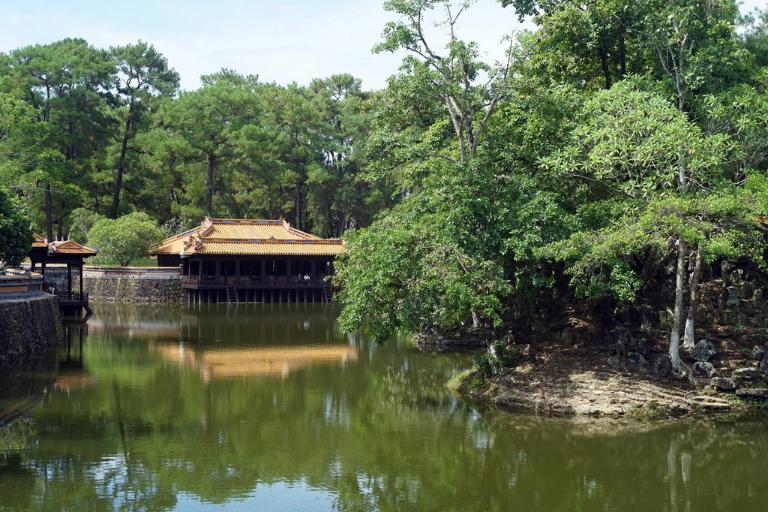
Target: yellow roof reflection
x: 259, y: 362
x: 71, y: 380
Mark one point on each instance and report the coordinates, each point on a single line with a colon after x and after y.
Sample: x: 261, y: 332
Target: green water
x: 272, y: 408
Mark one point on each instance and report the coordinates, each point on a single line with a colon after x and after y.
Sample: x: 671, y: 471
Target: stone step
x: 710, y: 403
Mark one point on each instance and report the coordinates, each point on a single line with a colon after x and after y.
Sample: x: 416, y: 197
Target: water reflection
x: 275, y: 361
x: 177, y: 409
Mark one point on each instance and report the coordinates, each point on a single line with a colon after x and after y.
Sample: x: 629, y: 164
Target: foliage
x: 420, y: 265
x: 613, y: 138
x: 81, y: 220
x: 485, y: 364
x: 121, y: 240
x: 15, y: 235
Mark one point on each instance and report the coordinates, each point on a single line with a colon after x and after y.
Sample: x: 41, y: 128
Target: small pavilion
x: 71, y: 254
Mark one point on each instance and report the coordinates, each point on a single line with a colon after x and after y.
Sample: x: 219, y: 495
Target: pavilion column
x: 81, y: 280
x: 69, y: 278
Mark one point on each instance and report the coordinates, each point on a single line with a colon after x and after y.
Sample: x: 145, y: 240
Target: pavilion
x: 244, y: 260
x: 71, y: 254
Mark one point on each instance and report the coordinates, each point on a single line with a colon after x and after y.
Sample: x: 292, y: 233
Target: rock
x: 639, y: 363
x: 561, y: 409
x: 763, y: 368
x: 512, y: 400
x: 507, y: 380
x: 723, y: 384
x: 727, y: 345
x: 703, y: 351
x: 662, y: 366
x: 704, y: 369
x: 746, y: 374
x: 711, y: 403
x: 758, y: 352
x: 679, y: 409
x: 752, y: 393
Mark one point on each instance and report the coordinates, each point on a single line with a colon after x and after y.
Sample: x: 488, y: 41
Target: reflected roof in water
x: 274, y: 361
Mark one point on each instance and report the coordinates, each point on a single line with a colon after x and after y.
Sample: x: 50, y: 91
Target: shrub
x: 15, y: 232
x: 506, y: 355
x: 81, y: 220
x: 124, y: 239
x: 485, y: 364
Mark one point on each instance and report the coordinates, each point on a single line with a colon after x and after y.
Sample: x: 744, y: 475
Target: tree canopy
x: 614, y: 140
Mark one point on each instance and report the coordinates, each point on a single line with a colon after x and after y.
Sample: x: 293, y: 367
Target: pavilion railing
x: 266, y: 281
x: 65, y: 296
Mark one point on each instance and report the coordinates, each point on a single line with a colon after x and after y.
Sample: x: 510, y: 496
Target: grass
x: 466, y: 381
x: 144, y: 262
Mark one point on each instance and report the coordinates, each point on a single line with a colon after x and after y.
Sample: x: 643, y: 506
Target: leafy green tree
x: 66, y: 82
x: 81, y: 220
x: 15, y: 232
x: 597, y: 42
x: 468, y: 88
x: 122, y: 240
x: 450, y: 269
x: 142, y: 73
x: 407, y: 271
x: 638, y: 157
x: 208, y: 121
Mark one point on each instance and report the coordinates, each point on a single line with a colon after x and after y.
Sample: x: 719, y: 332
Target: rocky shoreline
x: 587, y: 380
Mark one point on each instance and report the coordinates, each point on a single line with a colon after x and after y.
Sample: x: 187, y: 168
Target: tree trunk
x: 60, y: 221
x: 48, y: 213
x: 689, y: 339
x: 677, y: 318
x: 209, y: 185
x: 622, y: 57
x: 297, y: 220
x: 121, y: 165
x: 604, y: 64
x: 476, y: 323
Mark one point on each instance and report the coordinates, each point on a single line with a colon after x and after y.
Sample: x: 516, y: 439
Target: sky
x: 281, y: 40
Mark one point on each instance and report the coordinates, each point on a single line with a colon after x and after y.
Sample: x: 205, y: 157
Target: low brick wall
x: 133, y: 284
x: 29, y: 323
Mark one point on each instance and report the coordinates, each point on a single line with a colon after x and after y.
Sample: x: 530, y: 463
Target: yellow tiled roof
x: 70, y: 247
x: 248, y: 237
x: 39, y: 241
x: 62, y: 246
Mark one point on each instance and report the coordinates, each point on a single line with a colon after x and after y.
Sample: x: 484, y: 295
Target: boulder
x: 758, y: 352
x: 723, y: 384
x: 748, y: 374
x: 763, y: 368
x: 760, y: 394
x: 704, y: 369
x: 662, y: 366
x: 703, y: 351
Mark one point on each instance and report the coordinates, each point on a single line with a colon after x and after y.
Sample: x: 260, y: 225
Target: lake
x: 271, y: 407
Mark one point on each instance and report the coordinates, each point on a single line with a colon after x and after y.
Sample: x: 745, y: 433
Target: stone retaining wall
x: 56, y: 277
x: 133, y: 284
x: 29, y: 324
